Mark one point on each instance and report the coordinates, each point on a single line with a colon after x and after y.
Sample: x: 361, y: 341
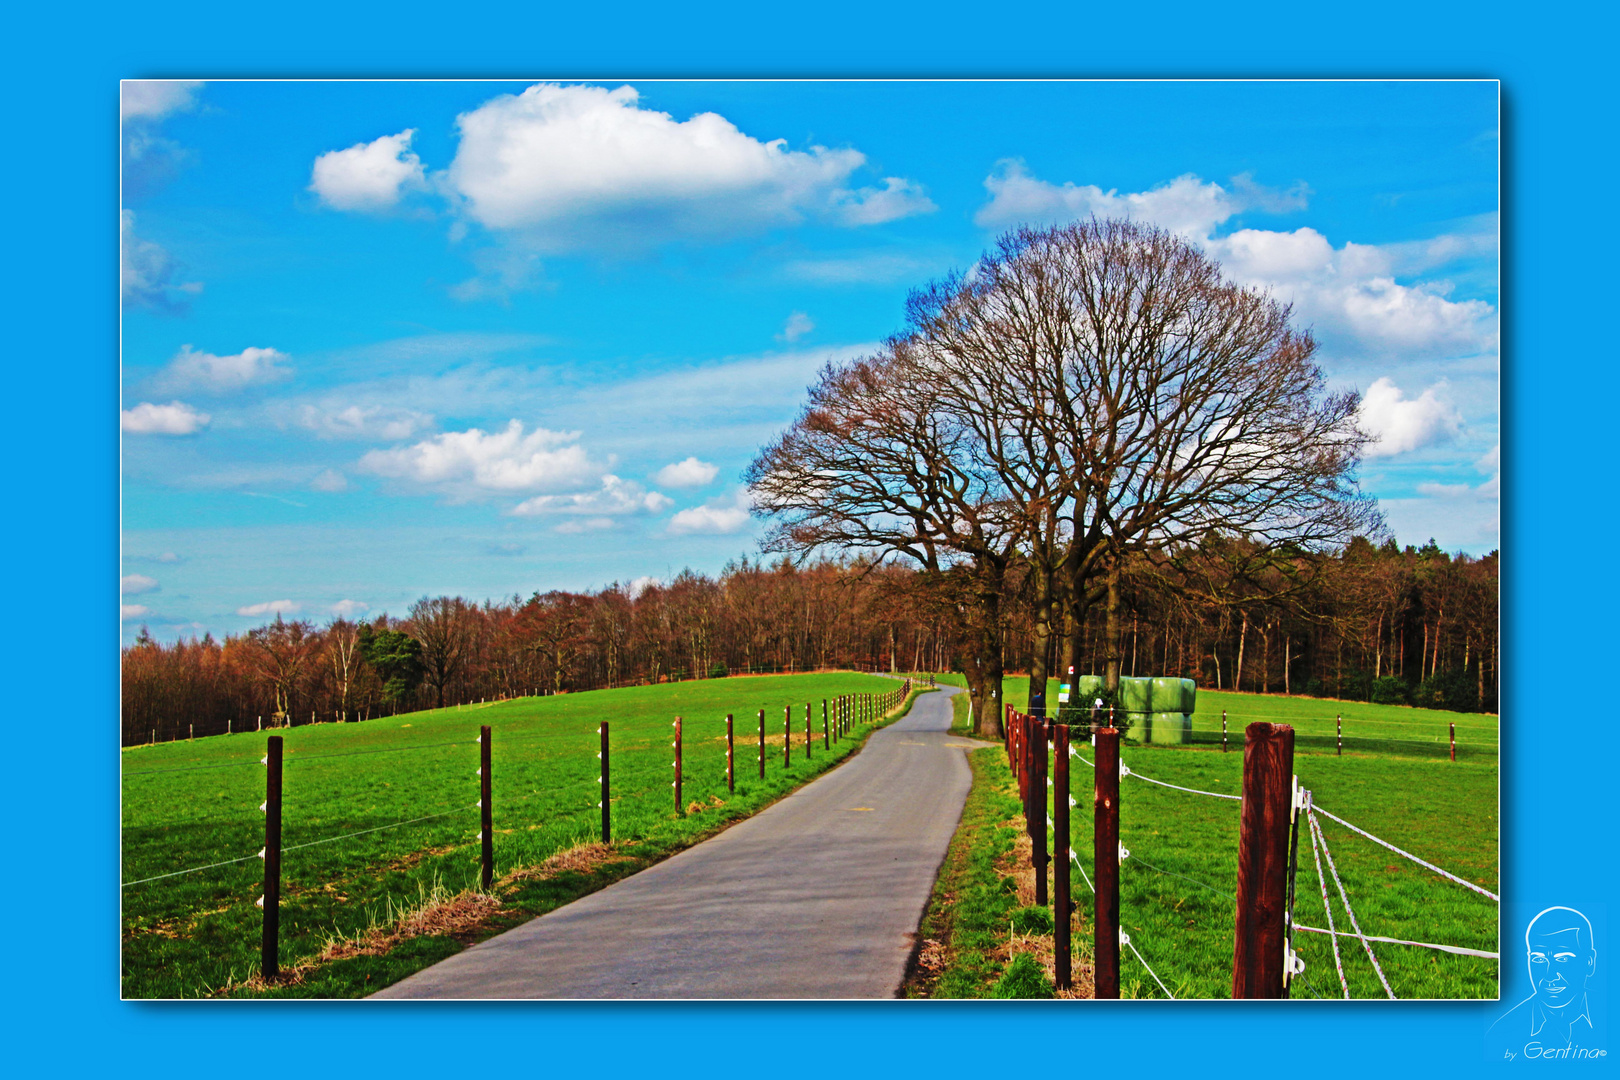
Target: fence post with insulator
x: 762, y: 744
x: 809, y: 736
x: 1338, y: 734
x: 1060, y: 848
x: 679, y: 807
x: 1453, y: 742
x: 270, y: 935
x: 486, y: 809
x: 1223, y: 731
x: 605, y: 804
x: 787, y: 737
x: 1105, y: 856
x: 826, y: 728
x: 1259, y: 948
x: 731, y: 756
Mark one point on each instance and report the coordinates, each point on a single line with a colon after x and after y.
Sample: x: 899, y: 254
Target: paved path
x: 818, y: 896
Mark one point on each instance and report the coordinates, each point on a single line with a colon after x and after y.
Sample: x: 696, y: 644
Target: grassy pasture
x: 191, y: 804
x: 1176, y: 889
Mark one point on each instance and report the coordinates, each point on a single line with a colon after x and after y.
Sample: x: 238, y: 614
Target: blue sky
x: 388, y: 339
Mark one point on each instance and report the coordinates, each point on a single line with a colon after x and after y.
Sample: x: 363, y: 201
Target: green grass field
x: 192, y: 804
x: 1177, y: 886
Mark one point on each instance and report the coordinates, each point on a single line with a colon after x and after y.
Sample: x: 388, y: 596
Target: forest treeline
x: 1380, y: 622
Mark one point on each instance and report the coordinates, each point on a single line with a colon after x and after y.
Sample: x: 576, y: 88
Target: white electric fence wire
x: 1178, y: 787
x: 1127, y: 939
x: 1084, y: 876
x: 1348, y: 910
x: 295, y: 847
x: 1457, y: 949
x: 1321, y: 884
x: 1409, y: 855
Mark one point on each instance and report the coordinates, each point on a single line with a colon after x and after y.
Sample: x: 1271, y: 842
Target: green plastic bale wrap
x: 1170, y: 728
x: 1088, y: 689
x: 1137, y: 727
x: 1175, y: 695
x: 1135, y: 696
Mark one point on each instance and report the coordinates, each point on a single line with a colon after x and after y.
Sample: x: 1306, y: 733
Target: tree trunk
x: 1040, y: 641
x: 1237, y: 672
x: 1112, y: 630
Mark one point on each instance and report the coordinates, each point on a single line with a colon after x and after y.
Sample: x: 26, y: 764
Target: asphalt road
x: 818, y: 896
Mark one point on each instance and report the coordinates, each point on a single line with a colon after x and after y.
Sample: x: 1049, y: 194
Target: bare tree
x: 444, y: 627
x: 281, y: 650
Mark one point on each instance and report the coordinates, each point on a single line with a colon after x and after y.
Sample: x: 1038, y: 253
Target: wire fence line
x: 1344, y: 896
x: 1408, y: 855
x: 1458, y: 950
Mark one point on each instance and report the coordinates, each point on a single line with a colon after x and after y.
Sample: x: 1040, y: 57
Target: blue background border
x: 60, y: 799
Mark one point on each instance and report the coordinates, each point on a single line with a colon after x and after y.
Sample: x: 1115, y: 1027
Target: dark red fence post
x: 762, y: 744
x: 607, y: 790
x: 1259, y: 938
x: 826, y: 728
x: 731, y: 756
x: 1037, y: 792
x: 1060, y: 849
x: 680, y: 807
x: 270, y: 935
x: 809, y: 736
x: 486, y: 809
x: 787, y: 737
x: 1454, y: 742
x: 1105, y: 854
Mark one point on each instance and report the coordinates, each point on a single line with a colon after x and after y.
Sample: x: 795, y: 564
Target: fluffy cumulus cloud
x: 136, y: 584
x: 572, y: 165
x: 378, y: 423
x: 270, y: 607
x: 224, y: 374
x: 154, y: 99
x: 717, y: 517
x: 175, y: 418
x: 348, y: 609
x: 474, y: 461
x: 1352, y: 293
x: 1400, y: 424
x: 368, y: 176
x: 147, y: 274
x: 690, y: 473
x: 614, y: 497
x: 132, y: 611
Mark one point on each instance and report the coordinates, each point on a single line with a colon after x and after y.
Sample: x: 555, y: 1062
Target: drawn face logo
x: 1561, y: 957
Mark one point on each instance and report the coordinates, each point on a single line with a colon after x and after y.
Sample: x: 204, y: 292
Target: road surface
x: 817, y: 896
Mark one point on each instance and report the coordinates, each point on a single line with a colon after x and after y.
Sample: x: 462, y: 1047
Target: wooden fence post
x: 680, y: 807
x: 486, y: 809
x: 762, y: 744
x: 1223, y: 731
x: 1338, y: 734
x: 808, y: 734
x: 1105, y: 856
x: 731, y: 757
x: 1259, y: 939
x: 1037, y: 793
x: 607, y: 790
x: 826, y: 729
x: 1060, y: 849
x: 269, y: 940
x: 787, y: 737
x: 1454, y: 741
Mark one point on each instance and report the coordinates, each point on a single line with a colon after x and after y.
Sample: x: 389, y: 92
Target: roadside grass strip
x: 380, y: 816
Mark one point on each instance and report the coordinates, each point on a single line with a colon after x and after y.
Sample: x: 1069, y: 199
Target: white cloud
x: 136, y: 584
x: 153, y: 99
x: 616, y: 496
x: 1185, y: 205
x: 877, y: 268
x: 223, y: 374
x: 475, y: 461
x: 270, y: 607
x: 1401, y: 425
x: 641, y: 585
x: 798, y: 324
x: 368, y: 176
x: 573, y: 165
x: 1491, y: 460
x: 331, y: 481
x: 717, y: 517
x: 147, y: 272
x: 690, y: 473
x: 1351, y: 291
x: 175, y: 418
x: 377, y: 422
x: 348, y: 609
x: 132, y: 611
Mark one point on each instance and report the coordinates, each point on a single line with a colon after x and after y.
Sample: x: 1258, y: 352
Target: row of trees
x: 1418, y: 617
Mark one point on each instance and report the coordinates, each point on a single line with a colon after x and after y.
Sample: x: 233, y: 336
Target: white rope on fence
x: 1194, y: 791
x: 1126, y: 938
x: 1321, y: 884
x: 193, y: 870
x: 1076, y: 860
x: 1409, y: 855
x: 1344, y: 896
x: 1457, y: 949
